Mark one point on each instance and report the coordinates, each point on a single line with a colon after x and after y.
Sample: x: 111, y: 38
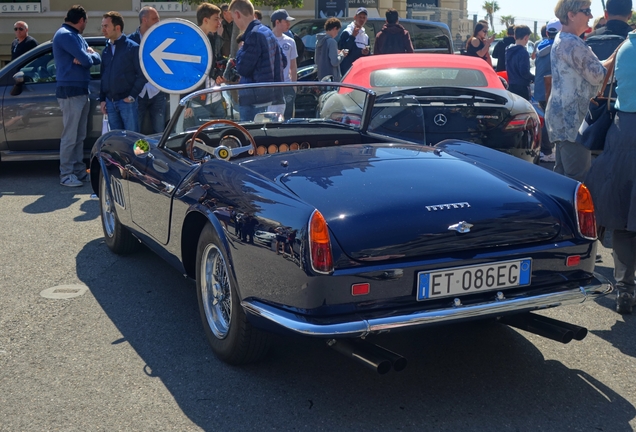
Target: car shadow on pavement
x: 482, y: 376
x: 24, y: 178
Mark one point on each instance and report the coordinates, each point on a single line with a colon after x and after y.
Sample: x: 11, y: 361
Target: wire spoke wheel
x: 216, y: 291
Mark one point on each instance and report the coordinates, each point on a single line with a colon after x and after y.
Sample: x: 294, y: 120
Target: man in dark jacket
x: 393, y: 38
x: 499, y: 52
x: 73, y: 62
x: 23, y: 42
x: 121, y: 76
x: 605, y: 40
x: 225, y: 32
x: 151, y: 101
x: 355, y: 40
x: 518, y: 63
x: 259, y: 60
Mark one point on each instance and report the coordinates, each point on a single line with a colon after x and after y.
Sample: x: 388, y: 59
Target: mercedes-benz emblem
x: 440, y: 120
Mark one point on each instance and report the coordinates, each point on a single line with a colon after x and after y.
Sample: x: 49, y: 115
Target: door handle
x: 160, y: 166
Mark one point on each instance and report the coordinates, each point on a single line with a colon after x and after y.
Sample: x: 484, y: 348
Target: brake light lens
x: 320, y: 244
x: 528, y: 123
x: 585, y: 217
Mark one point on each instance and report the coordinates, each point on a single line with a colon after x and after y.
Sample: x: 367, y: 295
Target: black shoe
x: 599, y: 258
x: 624, y: 302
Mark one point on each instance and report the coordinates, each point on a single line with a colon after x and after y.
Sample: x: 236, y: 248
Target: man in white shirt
x: 281, y: 22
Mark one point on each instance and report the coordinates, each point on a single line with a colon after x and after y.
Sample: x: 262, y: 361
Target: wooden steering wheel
x: 190, y: 142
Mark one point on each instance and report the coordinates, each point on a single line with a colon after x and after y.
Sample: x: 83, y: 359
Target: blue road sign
x: 175, y: 56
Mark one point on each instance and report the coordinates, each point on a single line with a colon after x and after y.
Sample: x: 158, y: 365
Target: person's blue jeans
x: 156, y: 109
x: 248, y: 112
x: 122, y: 115
x: 74, y: 118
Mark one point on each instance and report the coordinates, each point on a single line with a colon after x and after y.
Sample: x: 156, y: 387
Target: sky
x: 539, y: 10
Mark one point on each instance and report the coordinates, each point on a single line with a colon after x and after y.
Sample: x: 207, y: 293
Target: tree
x: 491, y: 7
x: 275, y: 4
x: 507, y: 20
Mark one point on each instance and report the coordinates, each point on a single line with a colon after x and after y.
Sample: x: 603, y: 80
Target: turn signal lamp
x: 320, y: 245
x: 585, y: 212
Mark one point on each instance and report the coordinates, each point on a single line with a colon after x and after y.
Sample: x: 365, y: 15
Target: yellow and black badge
x: 223, y: 153
x: 141, y: 146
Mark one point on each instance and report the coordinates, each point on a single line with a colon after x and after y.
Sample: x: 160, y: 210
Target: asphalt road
x: 130, y: 353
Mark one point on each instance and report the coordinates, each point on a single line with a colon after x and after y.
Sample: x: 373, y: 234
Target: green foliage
x: 491, y: 7
x: 507, y: 20
x: 632, y: 19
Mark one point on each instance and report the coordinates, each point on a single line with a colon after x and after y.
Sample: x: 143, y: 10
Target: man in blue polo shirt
x: 122, y: 78
x: 73, y: 61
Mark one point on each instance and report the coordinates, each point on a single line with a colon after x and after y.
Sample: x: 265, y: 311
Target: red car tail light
x: 529, y: 123
x: 585, y: 218
x: 346, y: 118
x: 319, y: 244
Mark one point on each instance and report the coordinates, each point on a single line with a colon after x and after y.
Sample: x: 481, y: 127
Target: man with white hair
x: 23, y: 42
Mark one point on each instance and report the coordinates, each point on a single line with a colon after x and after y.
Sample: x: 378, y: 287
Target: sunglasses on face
x: 586, y: 11
x: 18, y: 28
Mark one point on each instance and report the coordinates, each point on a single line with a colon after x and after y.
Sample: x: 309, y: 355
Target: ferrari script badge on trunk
x: 461, y: 227
x: 450, y: 206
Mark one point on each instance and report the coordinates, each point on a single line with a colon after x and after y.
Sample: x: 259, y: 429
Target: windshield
x: 333, y: 103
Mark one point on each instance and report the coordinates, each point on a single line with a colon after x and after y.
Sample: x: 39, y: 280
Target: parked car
x: 383, y: 232
x: 427, y: 36
x: 31, y: 116
x: 462, y: 97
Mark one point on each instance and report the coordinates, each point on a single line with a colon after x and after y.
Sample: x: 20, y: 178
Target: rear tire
x: 117, y: 237
x: 232, y: 338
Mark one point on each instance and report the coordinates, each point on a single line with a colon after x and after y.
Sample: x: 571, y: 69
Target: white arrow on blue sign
x: 175, y: 56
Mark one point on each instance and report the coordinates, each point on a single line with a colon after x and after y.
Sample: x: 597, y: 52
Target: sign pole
x: 174, y: 103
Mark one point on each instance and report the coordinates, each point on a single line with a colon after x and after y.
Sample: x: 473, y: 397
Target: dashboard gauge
x: 230, y: 141
x: 294, y: 146
x: 283, y: 148
x: 261, y: 150
x: 273, y: 148
x: 304, y: 145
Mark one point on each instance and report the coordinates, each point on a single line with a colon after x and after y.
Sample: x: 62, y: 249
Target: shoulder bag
x: 600, y: 115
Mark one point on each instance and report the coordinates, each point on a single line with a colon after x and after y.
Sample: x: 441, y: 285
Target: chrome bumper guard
x: 599, y: 287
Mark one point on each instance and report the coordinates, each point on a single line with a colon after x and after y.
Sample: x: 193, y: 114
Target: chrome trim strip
x: 298, y: 324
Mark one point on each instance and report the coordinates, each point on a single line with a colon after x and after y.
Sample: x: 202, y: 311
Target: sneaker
x: 624, y: 302
x: 71, y: 181
x: 547, y: 158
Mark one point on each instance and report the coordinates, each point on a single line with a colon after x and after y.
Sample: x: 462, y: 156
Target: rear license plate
x: 471, y: 279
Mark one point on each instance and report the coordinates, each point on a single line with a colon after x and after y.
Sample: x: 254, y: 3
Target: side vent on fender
x: 118, y: 192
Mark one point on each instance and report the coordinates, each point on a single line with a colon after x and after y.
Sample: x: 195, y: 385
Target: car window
x: 415, y: 77
x: 40, y: 69
x: 427, y: 37
x: 95, y: 69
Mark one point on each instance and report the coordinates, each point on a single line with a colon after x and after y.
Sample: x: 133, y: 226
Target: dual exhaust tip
x: 381, y: 360
x: 369, y: 355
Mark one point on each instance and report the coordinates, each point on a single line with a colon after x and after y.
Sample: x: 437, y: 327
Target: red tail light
x: 529, y: 123
x: 585, y: 212
x: 320, y: 245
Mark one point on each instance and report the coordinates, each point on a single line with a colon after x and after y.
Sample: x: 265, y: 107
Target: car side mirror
x: 504, y: 82
x: 18, y: 77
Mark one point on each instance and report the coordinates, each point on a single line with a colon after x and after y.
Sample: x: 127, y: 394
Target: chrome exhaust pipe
x: 358, y: 352
x: 548, y: 330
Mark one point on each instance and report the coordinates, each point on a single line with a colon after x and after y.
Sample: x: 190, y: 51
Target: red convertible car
x: 462, y: 98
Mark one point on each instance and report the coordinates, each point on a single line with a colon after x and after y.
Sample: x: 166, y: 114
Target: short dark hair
x: 522, y: 31
x: 115, y: 18
x: 332, y: 23
x: 618, y: 7
x: 511, y: 30
x: 544, y: 32
x: 206, y: 10
x: 75, y: 14
x: 258, y: 14
x: 391, y: 16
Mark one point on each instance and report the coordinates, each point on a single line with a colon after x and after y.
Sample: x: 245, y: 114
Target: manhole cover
x: 64, y: 291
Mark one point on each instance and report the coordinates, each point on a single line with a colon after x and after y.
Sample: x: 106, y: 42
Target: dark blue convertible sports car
x: 339, y: 225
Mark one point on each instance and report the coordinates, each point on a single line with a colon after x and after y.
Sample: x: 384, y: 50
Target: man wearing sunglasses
x: 23, y: 42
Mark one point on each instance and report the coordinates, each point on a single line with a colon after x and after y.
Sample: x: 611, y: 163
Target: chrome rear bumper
x: 296, y: 323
